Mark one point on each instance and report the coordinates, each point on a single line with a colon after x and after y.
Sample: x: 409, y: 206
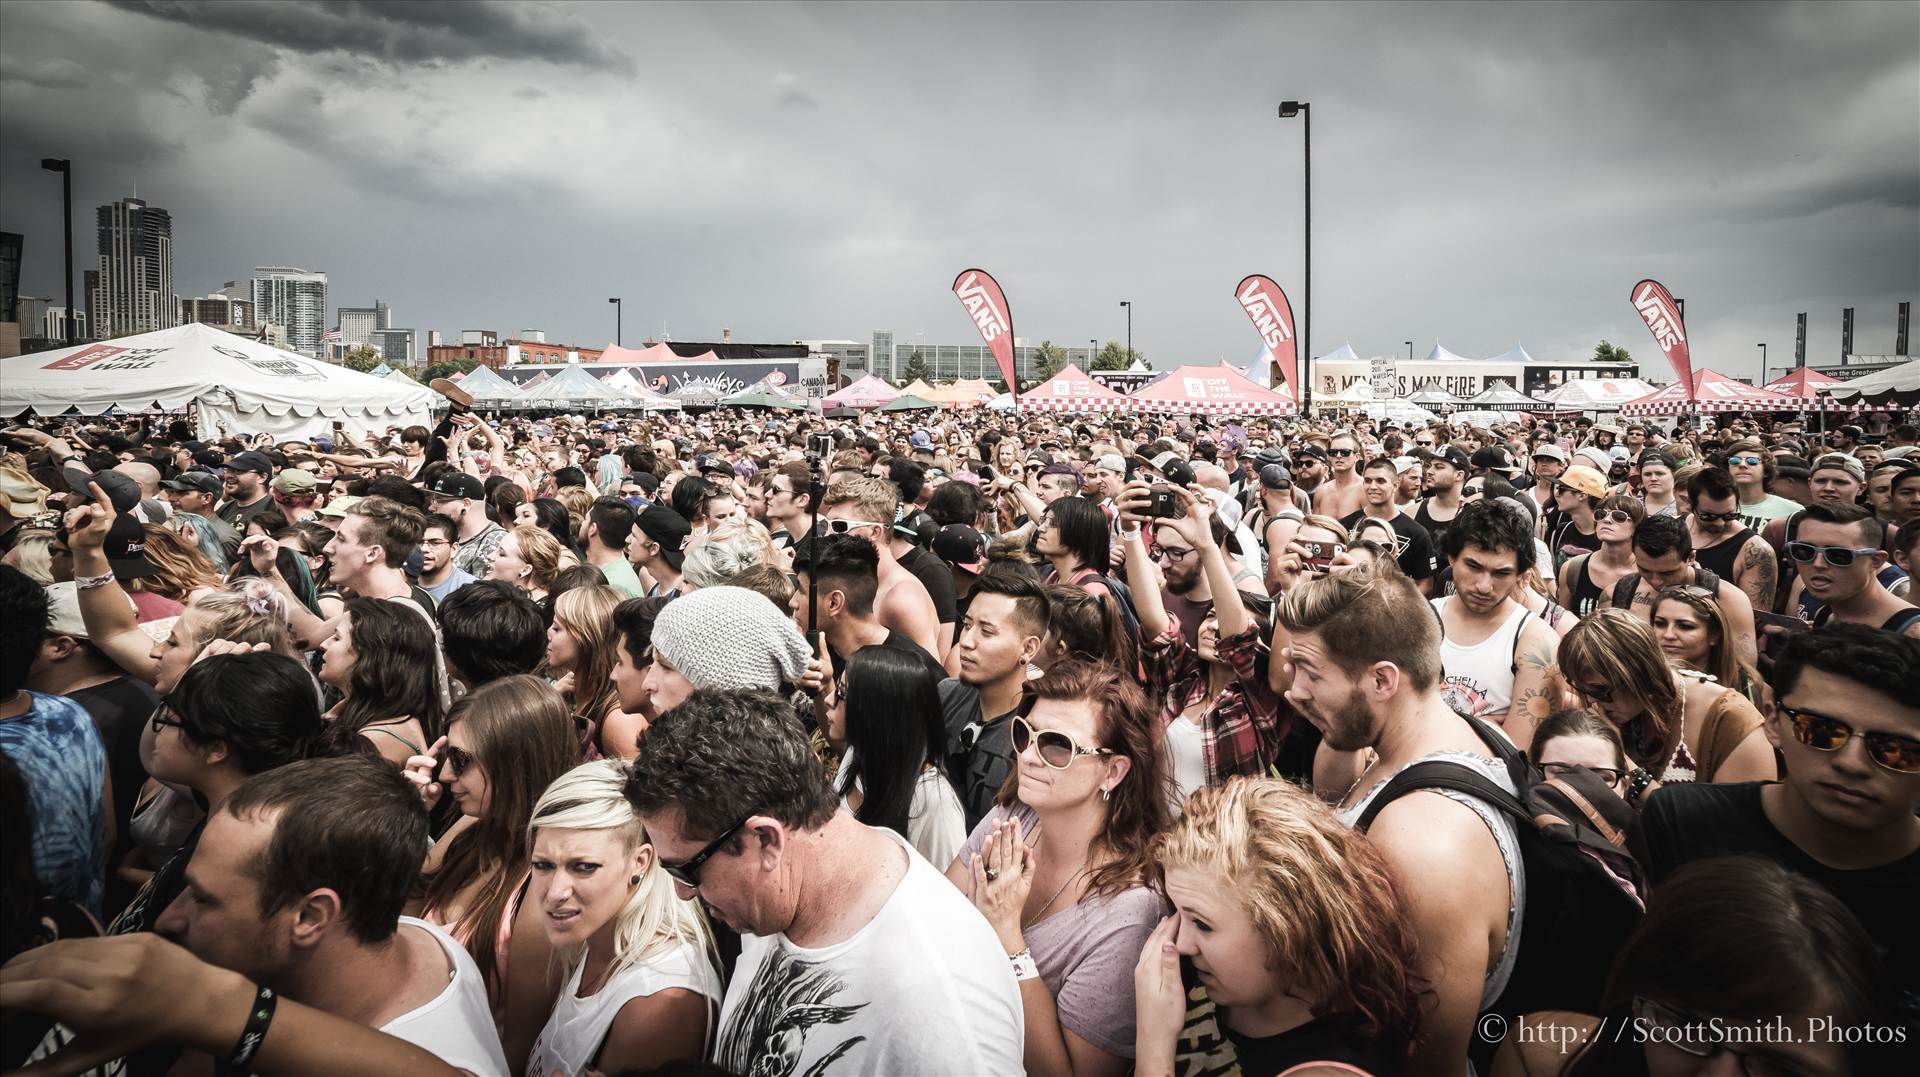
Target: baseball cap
x: 23, y: 494
x: 251, y: 461
x: 1319, y: 452
x: 1496, y: 458
x: 669, y: 530
x: 1790, y: 466
x: 1619, y: 455
x: 456, y: 484
x: 295, y: 482
x: 1404, y: 464
x: 126, y: 549
x: 712, y: 465
x: 1175, y: 469
x: 210, y: 457
x: 205, y: 482
x: 1588, y: 481
x: 962, y: 547
x: 1113, y: 462
x: 1842, y: 462
x: 1452, y: 454
x: 1551, y: 451
x: 1594, y: 457
x: 921, y: 440
x: 1275, y: 476
x: 120, y: 489
x: 339, y: 507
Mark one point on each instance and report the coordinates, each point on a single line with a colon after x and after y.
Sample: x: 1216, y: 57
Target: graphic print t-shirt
x: 923, y: 988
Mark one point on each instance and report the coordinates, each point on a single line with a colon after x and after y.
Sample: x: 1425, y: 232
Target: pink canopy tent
x: 1810, y: 390
x: 868, y: 392
x: 965, y: 393
x: 1211, y: 390
x: 1713, y: 392
x: 1072, y: 390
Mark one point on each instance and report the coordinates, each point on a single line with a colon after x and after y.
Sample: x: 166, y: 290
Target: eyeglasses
x: 1746, y: 461
x: 1837, y: 556
x: 434, y: 542
x: 1617, y: 516
x: 1339, y: 452
x: 1561, y: 770
x: 1720, y: 517
x: 1057, y: 749
x: 1601, y: 692
x: 1704, y: 1037
x: 163, y: 717
x: 1821, y: 733
x: 687, y: 873
x: 1172, y: 555
x: 843, y: 527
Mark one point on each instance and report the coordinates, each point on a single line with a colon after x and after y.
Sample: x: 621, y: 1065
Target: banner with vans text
x: 1272, y: 317
x: 1656, y: 307
x: 987, y: 305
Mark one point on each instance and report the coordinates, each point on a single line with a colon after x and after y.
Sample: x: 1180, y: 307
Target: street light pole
x: 65, y: 168
x: 1302, y: 109
x: 1409, y: 345
x: 1129, y: 305
x: 618, y: 342
x: 1763, y: 363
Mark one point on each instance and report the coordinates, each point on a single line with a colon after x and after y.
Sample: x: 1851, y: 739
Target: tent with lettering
x: 1714, y: 392
x: 1504, y: 398
x: 1353, y: 394
x: 1210, y: 390
x: 1894, y: 385
x: 1597, y: 394
x: 1809, y: 389
x: 869, y: 392
x: 572, y: 389
x: 232, y: 382
x: 1071, y: 390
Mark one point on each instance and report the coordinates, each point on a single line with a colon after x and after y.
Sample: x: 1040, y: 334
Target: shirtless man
x: 1339, y: 496
x: 865, y: 506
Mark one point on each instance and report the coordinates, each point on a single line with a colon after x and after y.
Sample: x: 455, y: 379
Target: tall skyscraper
x: 133, y: 292
x: 296, y: 300
x: 357, y: 324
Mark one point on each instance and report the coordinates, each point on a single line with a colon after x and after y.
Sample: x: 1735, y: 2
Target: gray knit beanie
x: 730, y: 637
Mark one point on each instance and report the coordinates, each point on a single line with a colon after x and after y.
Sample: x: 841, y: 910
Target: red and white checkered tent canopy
x: 1211, y: 390
x: 1072, y: 390
x: 1809, y: 389
x: 1713, y: 392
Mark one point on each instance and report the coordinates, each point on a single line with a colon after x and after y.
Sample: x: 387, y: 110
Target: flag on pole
x: 987, y: 304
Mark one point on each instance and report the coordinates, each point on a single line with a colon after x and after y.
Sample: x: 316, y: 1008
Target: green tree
x: 916, y: 368
x: 448, y: 368
x: 1114, y: 357
x: 362, y: 357
x: 1048, y: 358
x: 1607, y: 352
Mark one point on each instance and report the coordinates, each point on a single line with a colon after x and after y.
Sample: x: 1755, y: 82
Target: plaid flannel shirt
x: 1242, y: 730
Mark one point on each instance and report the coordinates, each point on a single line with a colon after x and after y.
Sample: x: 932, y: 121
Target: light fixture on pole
x: 1302, y: 109
x: 1129, y: 305
x: 617, y: 311
x: 1763, y: 361
x: 1409, y: 345
x: 65, y: 168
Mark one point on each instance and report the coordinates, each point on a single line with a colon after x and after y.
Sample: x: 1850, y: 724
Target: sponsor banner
x: 987, y: 305
x: 1656, y: 307
x: 724, y: 377
x: 1381, y: 369
x: 1266, y: 305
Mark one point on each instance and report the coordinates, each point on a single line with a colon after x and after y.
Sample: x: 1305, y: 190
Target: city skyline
x: 1479, y: 179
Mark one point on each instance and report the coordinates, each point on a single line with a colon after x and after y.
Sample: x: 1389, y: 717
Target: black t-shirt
x: 979, y: 754
x: 1413, y: 547
x: 1436, y: 529
x: 120, y: 709
x: 1688, y: 822
x: 938, y: 580
x: 236, y: 515
x: 1570, y: 542
x: 1325, y: 1039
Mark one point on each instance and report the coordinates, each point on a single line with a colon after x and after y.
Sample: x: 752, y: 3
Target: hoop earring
x: 1106, y: 795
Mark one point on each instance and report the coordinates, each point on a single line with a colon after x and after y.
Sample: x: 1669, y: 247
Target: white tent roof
x: 1598, y: 394
x: 1904, y: 378
x: 234, y: 382
x: 1344, y: 351
x: 399, y: 377
x: 572, y: 387
x: 1359, y: 391
x: 486, y: 387
x: 1440, y: 354
x: 1515, y: 354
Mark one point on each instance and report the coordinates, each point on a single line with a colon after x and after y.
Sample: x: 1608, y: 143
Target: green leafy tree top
x: 1607, y: 352
x: 362, y: 357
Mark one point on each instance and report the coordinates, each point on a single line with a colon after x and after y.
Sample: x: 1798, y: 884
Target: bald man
x: 153, y: 510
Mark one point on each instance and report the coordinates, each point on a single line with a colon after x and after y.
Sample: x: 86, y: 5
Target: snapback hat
x: 251, y: 461
x: 1452, y: 454
x: 126, y: 549
x: 205, y: 482
x: 451, y: 485
x: 962, y: 547
x: 1551, y: 451
x: 295, y: 482
x: 668, y: 529
x: 1495, y: 458
x: 1176, y: 470
x: 1587, y: 480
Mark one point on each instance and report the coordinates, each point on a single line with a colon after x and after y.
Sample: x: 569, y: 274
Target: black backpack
x: 1584, y: 891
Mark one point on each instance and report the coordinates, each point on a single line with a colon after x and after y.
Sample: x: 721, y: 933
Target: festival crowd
x: 961, y: 742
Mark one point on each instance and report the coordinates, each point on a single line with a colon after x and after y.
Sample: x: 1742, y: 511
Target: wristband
x: 1024, y: 966
x: 1129, y: 536
x: 1637, y: 783
x: 88, y: 583
x: 253, y: 1035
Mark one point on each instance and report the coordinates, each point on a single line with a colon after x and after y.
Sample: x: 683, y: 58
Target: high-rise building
x: 219, y: 310
x: 133, y: 292
x: 357, y: 324
x: 297, y: 299
x: 396, y: 346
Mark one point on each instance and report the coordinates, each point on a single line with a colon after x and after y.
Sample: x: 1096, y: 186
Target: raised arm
x: 1146, y: 589
x: 108, y: 613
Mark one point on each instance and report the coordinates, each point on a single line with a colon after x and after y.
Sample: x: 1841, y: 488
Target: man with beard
x: 1445, y: 472
x: 1365, y: 658
x: 246, y: 488
x: 1309, y: 471
x: 1495, y: 659
x: 1413, y: 546
x: 439, y: 576
x: 192, y: 494
x: 1725, y: 545
x: 1339, y: 496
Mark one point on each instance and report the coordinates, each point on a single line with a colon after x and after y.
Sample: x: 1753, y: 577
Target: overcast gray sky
x: 1482, y: 173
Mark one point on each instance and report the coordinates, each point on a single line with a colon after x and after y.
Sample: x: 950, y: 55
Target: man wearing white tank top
x: 1494, y: 654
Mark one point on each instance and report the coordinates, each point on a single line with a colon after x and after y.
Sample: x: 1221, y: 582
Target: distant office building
x: 219, y: 310
x: 357, y: 324
x: 850, y: 356
x: 133, y: 289
x: 297, y: 299
x: 396, y: 346
x: 11, y: 244
x: 949, y: 362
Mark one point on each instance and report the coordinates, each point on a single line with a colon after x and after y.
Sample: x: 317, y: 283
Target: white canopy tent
x: 1440, y: 354
x: 1892, y: 384
x: 489, y: 390
x: 232, y: 382
x: 1598, y: 394
x: 1515, y: 354
x: 571, y: 389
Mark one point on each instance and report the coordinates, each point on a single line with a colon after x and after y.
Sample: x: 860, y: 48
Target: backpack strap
x: 1444, y: 775
x: 1624, y: 590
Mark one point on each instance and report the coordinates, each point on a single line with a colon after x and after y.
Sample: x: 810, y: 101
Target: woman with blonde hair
x: 529, y: 558
x: 1290, y: 941
x: 725, y: 552
x: 180, y: 570
x: 33, y: 555
x: 505, y: 744
x: 581, y: 655
x: 1678, y: 725
x: 1694, y: 634
x: 642, y: 986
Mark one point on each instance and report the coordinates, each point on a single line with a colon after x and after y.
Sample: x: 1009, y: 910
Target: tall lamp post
x: 1409, y: 345
x: 1093, y: 351
x: 65, y: 168
x: 1763, y: 363
x: 617, y: 311
x: 1129, y: 305
x: 1288, y: 110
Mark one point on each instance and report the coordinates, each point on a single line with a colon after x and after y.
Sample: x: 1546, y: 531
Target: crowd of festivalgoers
x: 961, y: 743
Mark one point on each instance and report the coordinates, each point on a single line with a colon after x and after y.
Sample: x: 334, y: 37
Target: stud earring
x: 1106, y: 794
x: 635, y: 881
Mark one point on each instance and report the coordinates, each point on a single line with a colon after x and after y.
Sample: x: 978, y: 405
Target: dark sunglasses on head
x: 687, y: 872
x: 1821, y: 733
x: 1057, y: 749
x: 1837, y: 556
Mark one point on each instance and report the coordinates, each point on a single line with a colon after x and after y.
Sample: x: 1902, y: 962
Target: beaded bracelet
x: 1637, y: 783
x: 253, y: 1035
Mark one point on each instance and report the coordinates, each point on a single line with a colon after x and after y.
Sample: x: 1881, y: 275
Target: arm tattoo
x: 1759, y: 574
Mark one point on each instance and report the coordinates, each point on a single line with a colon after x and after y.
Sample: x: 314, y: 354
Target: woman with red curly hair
x: 1289, y: 942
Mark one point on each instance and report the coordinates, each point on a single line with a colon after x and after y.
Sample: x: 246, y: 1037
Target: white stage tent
x: 489, y: 390
x: 233, y: 382
x: 1598, y: 394
x: 571, y: 389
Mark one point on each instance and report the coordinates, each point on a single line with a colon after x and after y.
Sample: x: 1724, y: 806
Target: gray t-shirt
x: 1087, y: 951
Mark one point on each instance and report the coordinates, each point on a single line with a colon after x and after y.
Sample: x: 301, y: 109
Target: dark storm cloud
x: 1482, y: 173
x: 402, y: 32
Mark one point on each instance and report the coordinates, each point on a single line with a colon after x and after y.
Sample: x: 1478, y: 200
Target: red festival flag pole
x: 1656, y: 307
x: 987, y: 305
x: 1272, y: 317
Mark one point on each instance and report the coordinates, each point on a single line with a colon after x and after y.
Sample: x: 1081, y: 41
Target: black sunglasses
x: 1823, y: 734
x: 687, y: 873
x: 1722, y: 517
x: 1339, y: 452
